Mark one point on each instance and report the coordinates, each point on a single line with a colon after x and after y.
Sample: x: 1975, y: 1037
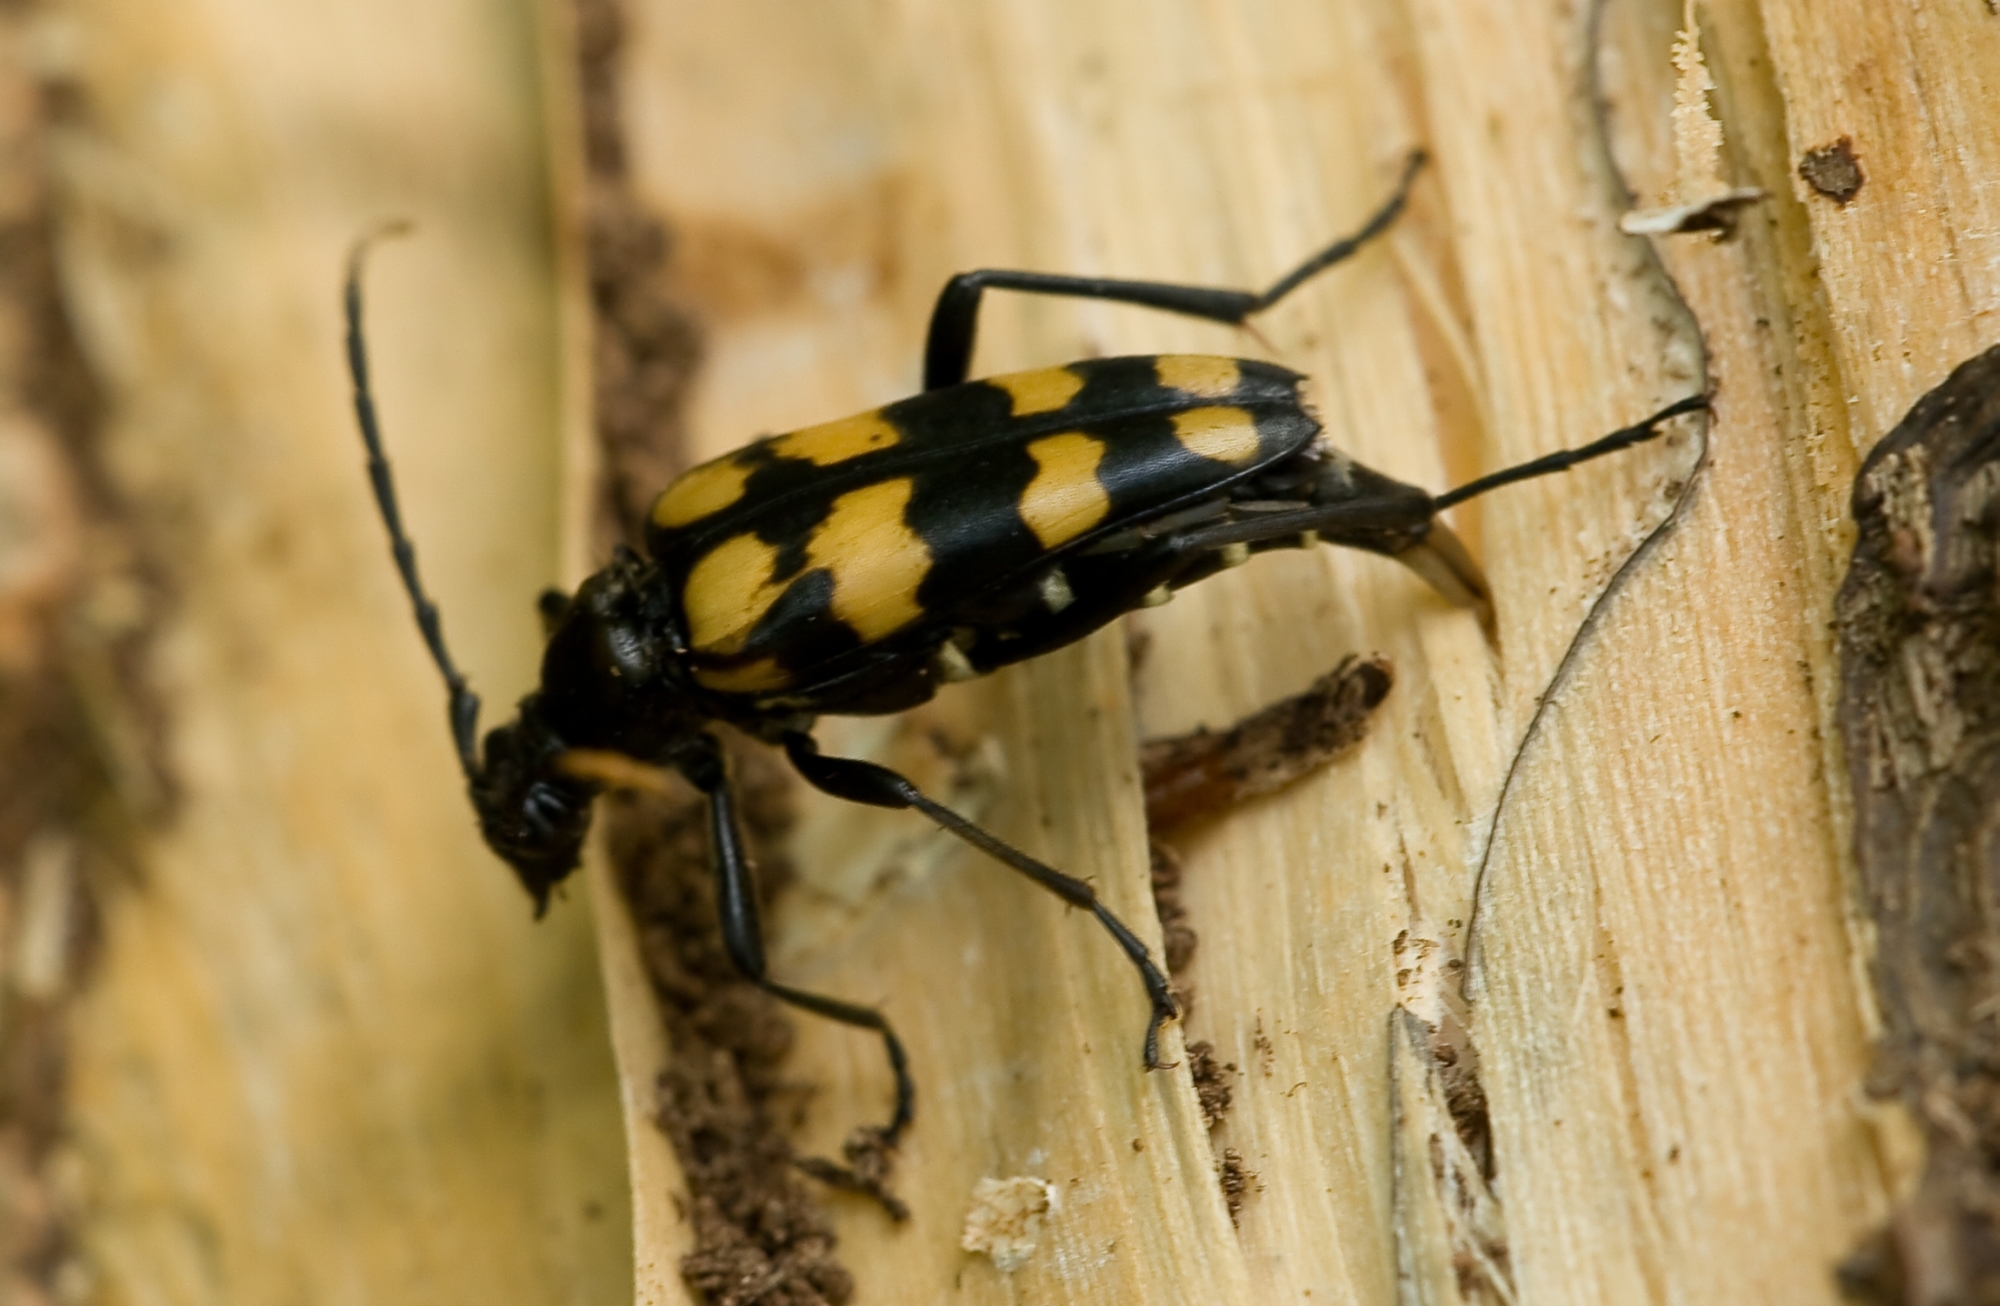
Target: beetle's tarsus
x: 1161, y: 1015
x: 1564, y: 459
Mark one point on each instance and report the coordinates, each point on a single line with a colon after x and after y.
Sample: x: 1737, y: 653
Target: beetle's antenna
x: 464, y: 704
x: 1565, y: 459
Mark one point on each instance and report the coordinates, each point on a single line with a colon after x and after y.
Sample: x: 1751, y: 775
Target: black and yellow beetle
x: 853, y: 567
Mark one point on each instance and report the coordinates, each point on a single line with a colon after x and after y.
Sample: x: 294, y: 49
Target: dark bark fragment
x: 1206, y: 772
x: 1919, y: 629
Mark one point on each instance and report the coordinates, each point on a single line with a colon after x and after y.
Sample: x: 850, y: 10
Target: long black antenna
x: 1565, y: 459
x: 463, y: 708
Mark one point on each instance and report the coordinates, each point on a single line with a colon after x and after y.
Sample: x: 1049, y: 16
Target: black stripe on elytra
x: 967, y: 511
x: 799, y: 629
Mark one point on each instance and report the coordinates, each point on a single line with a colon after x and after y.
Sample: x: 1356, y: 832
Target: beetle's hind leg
x: 1323, y: 496
x: 865, y: 782
x: 955, y: 320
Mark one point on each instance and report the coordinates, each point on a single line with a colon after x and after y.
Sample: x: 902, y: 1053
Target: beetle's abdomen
x: 800, y: 550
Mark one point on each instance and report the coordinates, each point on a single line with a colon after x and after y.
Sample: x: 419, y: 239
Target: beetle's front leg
x: 865, y: 782
x: 743, y: 931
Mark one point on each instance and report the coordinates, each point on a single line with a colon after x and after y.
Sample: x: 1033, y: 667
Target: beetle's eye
x: 545, y: 810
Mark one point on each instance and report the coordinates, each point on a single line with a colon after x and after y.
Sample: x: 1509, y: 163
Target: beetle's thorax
x: 612, y: 674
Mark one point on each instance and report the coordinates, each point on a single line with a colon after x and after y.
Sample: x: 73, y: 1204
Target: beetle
x: 855, y: 566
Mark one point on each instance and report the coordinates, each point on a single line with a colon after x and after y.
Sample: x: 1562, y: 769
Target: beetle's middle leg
x: 865, y: 782
x: 955, y: 319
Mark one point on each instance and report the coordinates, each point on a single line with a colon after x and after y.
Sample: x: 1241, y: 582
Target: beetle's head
x: 610, y: 684
x: 533, y: 814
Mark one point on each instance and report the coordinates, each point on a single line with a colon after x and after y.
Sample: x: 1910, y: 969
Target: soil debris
x: 1237, y: 1181
x: 81, y: 734
x: 1212, y: 1089
x: 760, y: 1235
x: 1212, y: 1080
x: 645, y: 347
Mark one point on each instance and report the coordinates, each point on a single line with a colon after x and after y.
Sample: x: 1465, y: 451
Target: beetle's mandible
x: 853, y: 567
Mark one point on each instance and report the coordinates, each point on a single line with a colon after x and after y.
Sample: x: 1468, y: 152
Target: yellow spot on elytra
x: 1198, y: 374
x: 836, y: 442
x: 1228, y: 435
x: 699, y: 492
x: 1041, y: 391
x: 1065, y: 499
x: 876, y: 560
x: 872, y: 556
x: 727, y: 592
x: 763, y: 674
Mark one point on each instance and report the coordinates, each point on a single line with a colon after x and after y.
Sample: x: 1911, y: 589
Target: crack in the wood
x: 1614, y: 587
x: 1489, y: 1272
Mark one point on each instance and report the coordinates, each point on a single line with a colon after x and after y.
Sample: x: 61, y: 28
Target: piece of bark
x: 1920, y: 716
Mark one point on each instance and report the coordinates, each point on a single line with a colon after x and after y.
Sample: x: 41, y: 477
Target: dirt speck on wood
x: 1833, y: 171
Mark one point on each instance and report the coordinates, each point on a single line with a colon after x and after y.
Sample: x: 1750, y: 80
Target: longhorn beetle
x: 853, y: 567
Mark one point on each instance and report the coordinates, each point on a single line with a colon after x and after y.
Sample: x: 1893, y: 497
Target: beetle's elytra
x: 848, y: 567
x: 853, y: 567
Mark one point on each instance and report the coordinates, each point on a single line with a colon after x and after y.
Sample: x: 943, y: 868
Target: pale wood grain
x: 1214, y: 145
x: 329, y: 1056
x: 1669, y: 995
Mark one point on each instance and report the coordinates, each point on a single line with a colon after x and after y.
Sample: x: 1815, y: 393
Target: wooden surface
x: 1667, y: 994
x: 329, y: 1056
